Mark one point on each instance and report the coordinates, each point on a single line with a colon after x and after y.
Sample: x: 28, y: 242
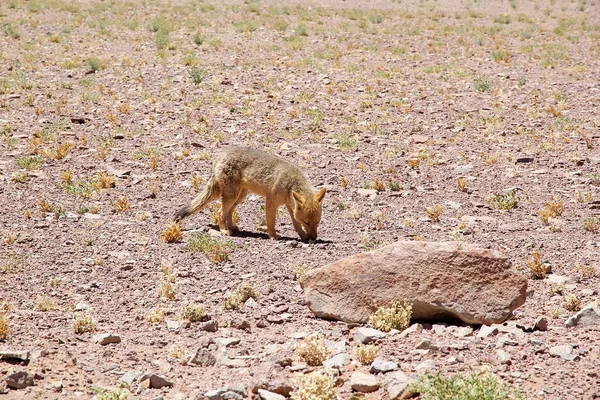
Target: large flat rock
x: 449, y: 281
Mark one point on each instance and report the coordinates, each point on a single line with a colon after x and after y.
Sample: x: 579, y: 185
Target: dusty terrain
x: 404, y: 97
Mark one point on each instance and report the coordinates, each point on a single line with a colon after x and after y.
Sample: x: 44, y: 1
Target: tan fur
x: 237, y: 171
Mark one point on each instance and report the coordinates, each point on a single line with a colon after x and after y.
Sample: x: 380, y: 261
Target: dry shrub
x: 172, y: 233
x: 83, y: 323
x: 317, y: 385
x: 244, y: 292
x: 366, y: 353
x: 193, y: 312
x: 536, y: 266
x: 397, y: 316
x: 313, y: 350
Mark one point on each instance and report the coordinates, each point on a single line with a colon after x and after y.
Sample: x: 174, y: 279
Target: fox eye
x: 304, y: 222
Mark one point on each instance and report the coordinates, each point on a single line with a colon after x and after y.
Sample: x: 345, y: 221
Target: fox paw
x: 274, y: 236
x: 225, y: 232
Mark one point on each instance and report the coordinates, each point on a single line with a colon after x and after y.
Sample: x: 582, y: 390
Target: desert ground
x: 467, y: 120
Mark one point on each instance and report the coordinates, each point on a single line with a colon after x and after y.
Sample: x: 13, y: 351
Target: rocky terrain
x: 433, y: 121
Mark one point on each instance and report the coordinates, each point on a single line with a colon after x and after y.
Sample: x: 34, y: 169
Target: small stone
x: 240, y: 323
x: 203, y: 357
x: 21, y: 355
x: 153, y: 381
x: 367, y: 335
x: 19, y: 380
x: 564, y: 351
x: 231, y: 395
x: 398, y: 382
x: 425, y: 367
x: 209, y: 326
x: 588, y: 316
x: 232, y: 362
x: 337, y: 361
x: 463, y: 331
x: 107, y: 338
x: 266, y: 395
x: 363, y: 383
x: 379, y: 365
x: 414, y: 329
x: 130, y: 376
x: 486, y: 331
x: 367, y: 192
x: 541, y: 324
x: 451, y: 361
x: 227, y: 342
x: 438, y: 328
x: 274, y: 319
x: 336, y: 347
x: 426, y: 345
x: 503, y: 357
x: 173, y: 325
x: 215, y: 394
x: 523, y: 160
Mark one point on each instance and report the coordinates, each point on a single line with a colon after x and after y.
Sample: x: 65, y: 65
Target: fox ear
x: 298, y: 198
x: 320, y: 194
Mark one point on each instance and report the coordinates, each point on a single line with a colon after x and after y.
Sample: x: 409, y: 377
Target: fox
x: 236, y: 171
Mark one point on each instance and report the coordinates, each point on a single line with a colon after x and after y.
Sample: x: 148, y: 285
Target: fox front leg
x: 271, y: 211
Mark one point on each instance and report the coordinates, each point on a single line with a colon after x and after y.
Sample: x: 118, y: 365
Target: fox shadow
x: 240, y: 233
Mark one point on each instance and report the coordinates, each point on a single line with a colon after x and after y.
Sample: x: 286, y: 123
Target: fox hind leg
x: 241, y: 197
x: 228, y: 202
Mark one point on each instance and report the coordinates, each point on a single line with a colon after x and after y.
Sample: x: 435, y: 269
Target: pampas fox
x: 237, y: 171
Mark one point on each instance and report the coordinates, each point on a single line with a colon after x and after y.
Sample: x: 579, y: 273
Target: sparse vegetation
x: 83, y: 323
x: 239, y: 296
x: 504, y: 201
x: 397, y: 316
x: 156, y: 315
x: 44, y: 303
x: 474, y: 386
x: 318, y: 385
x: 434, y: 213
x: 172, y: 233
x: 536, y: 266
x: 216, y: 250
x: 5, y: 329
x: 312, y: 350
x: 193, y: 312
x: 366, y: 353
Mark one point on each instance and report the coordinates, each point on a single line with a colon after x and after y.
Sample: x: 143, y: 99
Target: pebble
x: 367, y: 335
x: 363, y: 383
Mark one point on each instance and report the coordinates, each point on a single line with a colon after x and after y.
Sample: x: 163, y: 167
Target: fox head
x: 307, y: 212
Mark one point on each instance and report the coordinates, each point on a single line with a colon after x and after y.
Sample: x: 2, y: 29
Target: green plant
x: 11, y: 31
x: 397, y: 316
x: 216, y: 250
x: 116, y: 394
x: 96, y: 64
x: 504, y: 201
x: 475, y: 386
x: 346, y: 142
x: 30, y: 162
x: 197, y: 75
x: 482, y: 85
